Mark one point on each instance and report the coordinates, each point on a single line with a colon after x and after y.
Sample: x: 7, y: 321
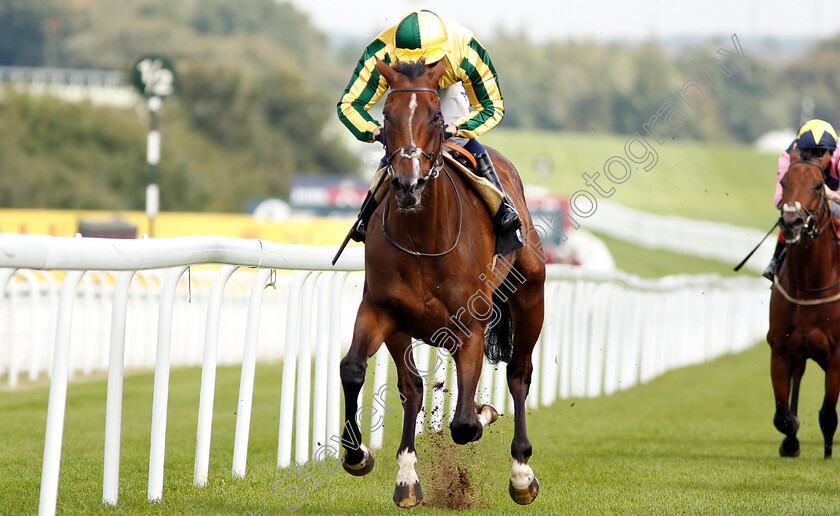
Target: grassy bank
x: 704, y: 180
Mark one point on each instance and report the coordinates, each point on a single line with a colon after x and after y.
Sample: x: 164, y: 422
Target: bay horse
x: 805, y: 302
x: 430, y: 274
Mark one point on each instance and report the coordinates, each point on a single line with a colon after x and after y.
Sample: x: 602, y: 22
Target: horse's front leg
x: 371, y: 328
x: 828, y: 412
x: 469, y: 420
x: 785, y: 420
x: 407, y: 492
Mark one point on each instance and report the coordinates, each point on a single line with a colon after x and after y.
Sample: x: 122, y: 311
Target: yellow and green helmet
x: 421, y: 34
x: 816, y: 134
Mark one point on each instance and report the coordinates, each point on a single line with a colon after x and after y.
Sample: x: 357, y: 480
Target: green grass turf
x: 699, y: 440
x: 721, y: 182
x: 654, y: 263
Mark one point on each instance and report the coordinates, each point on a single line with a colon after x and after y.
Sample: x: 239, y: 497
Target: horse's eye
x: 386, y: 117
x: 437, y: 118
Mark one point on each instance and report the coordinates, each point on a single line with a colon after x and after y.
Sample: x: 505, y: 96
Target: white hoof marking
x: 521, y: 475
x: 406, y: 476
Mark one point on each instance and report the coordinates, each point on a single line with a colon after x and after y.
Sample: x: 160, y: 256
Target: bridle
x: 811, y: 219
x: 411, y: 152
x: 813, y: 232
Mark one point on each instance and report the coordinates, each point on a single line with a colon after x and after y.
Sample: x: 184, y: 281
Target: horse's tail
x: 498, y: 337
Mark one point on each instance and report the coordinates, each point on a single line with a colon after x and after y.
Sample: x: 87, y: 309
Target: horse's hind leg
x: 785, y: 420
x: 407, y: 492
x: 371, y: 329
x: 828, y: 412
x: 527, y: 312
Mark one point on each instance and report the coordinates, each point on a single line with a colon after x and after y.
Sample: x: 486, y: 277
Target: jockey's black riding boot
x: 770, y: 270
x: 506, y: 219
x: 359, y: 231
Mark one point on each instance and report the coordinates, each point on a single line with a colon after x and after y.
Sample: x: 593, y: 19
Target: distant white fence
x: 603, y: 332
x: 714, y: 240
x: 99, y: 87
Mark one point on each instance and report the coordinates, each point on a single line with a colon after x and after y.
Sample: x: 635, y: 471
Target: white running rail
x: 603, y: 332
x: 713, y: 240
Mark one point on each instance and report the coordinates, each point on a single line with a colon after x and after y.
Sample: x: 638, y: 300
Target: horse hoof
x: 789, y: 448
x: 362, y: 468
x: 525, y: 495
x: 407, y: 496
x: 487, y: 414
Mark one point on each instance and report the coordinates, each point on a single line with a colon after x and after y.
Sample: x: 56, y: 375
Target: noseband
x: 810, y: 229
x: 412, y: 152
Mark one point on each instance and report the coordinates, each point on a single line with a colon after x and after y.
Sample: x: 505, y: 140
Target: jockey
x: 815, y: 138
x: 470, y: 98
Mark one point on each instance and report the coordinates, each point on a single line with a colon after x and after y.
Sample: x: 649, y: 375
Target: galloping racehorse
x: 805, y: 303
x: 430, y: 274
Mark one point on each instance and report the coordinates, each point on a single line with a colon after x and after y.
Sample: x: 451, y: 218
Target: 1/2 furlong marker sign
x: 155, y: 78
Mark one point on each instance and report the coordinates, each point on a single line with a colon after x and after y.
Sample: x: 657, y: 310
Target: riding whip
x: 737, y: 267
x: 362, y: 210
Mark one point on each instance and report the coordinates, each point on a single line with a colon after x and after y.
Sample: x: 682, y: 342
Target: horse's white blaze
x: 521, y: 475
x: 412, y: 105
x: 406, y: 476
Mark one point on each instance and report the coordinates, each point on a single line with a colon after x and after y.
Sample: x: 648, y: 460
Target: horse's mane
x: 411, y: 69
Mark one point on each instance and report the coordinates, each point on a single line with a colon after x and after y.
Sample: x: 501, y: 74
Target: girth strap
x: 464, y: 152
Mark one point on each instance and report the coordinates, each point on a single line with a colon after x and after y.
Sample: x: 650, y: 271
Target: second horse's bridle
x: 811, y: 219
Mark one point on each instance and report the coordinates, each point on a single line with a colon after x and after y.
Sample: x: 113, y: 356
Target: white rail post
x: 160, y: 397
x: 334, y: 351
x: 453, y: 390
x: 34, y: 325
x: 58, y: 396
x: 380, y: 378
x: 319, y: 395
x: 304, y: 370
x: 597, y: 340
x: 113, y: 410
x: 436, y: 414
x: 208, y: 376
x: 13, y: 287
x: 5, y: 276
x: 485, y: 385
x: 246, y: 380
x: 564, y: 348
x: 500, y: 388
x: 421, y: 360
x: 287, y: 391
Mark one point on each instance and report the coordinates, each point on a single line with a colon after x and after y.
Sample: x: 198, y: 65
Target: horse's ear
x: 794, y: 155
x: 436, y: 71
x: 385, y: 70
x: 825, y: 160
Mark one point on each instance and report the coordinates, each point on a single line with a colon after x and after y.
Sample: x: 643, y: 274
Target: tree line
x: 259, y: 84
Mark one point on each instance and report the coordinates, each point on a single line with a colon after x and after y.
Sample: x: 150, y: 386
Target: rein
x: 418, y: 253
x: 805, y: 302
